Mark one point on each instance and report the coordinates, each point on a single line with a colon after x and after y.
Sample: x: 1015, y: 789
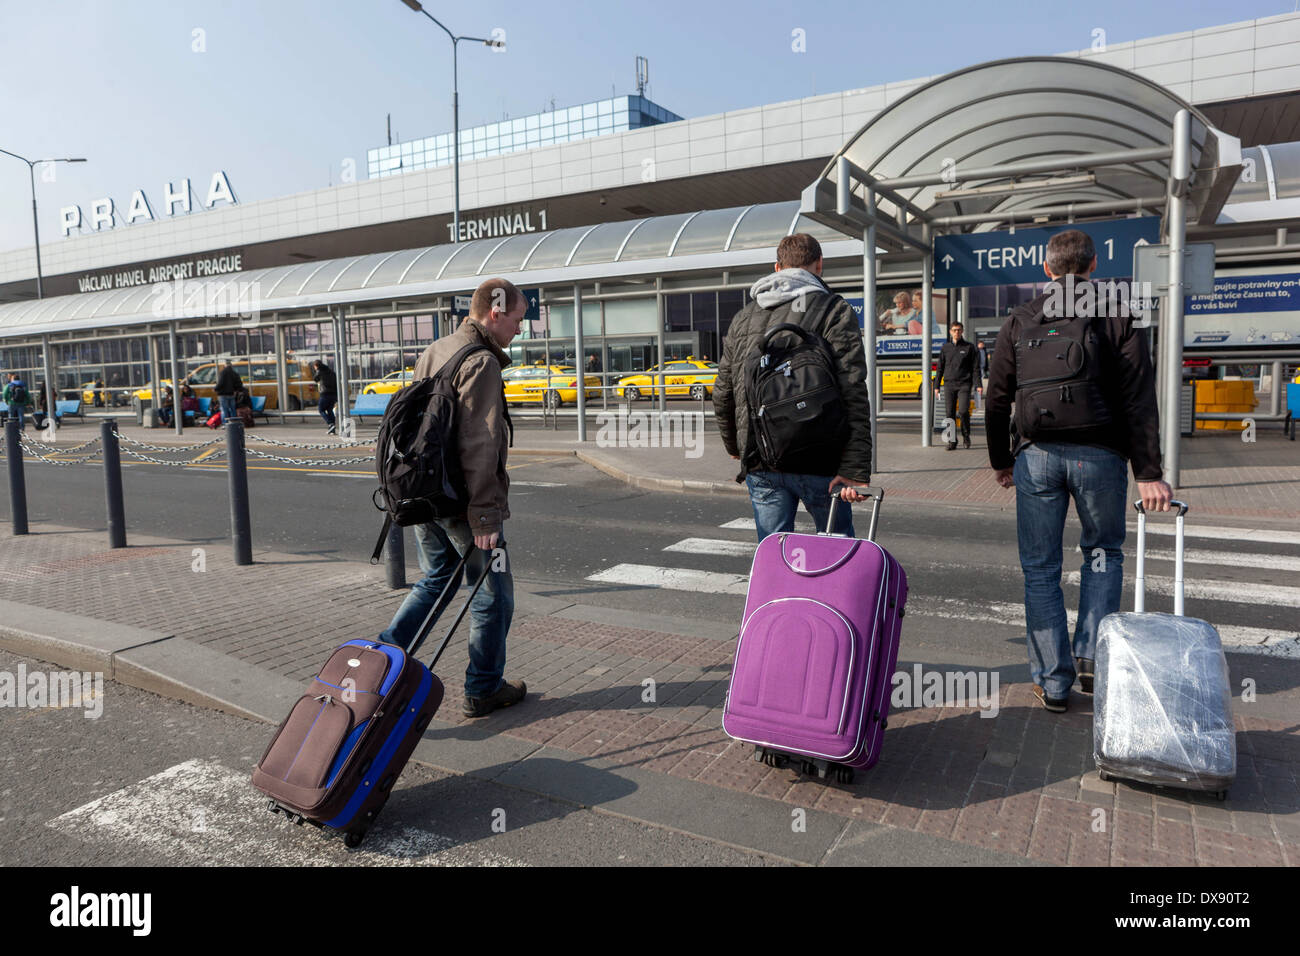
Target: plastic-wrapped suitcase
x: 334, y: 760
x: 1162, y: 704
x: 817, y: 650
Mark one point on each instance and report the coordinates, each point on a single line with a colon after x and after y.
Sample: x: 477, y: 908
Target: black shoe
x: 510, y: 692
x: 1084, y: 668
x: 1056, y: 705
x: 967, y: 440
x: 952, y: 445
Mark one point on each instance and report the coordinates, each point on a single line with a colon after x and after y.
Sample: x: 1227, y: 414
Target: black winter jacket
x: 840, y: 328
x: 228, y: 381
x: 958, y: 364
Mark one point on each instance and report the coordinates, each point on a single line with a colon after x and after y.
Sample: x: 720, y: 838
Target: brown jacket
x: 482, y: 431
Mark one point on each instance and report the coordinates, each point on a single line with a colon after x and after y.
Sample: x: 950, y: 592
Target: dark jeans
x: 439, y: 547
x: 955, y: 398
x: 775, y: 496
x: 326, y: 407
x: 1048, y: 475
x: 228, y: 412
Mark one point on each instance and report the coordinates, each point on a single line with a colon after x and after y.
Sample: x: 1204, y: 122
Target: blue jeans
x: 1047, y: 476
x: 775, y: 496
x: 326, y: 408
x: 439, y: 546
x: 228, y: 412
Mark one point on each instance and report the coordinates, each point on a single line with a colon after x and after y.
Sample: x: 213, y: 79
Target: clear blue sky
x: 287, y: 90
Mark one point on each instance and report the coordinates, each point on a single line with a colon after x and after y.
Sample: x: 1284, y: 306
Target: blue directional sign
x: 460, y: 305
x: 1001, y: 258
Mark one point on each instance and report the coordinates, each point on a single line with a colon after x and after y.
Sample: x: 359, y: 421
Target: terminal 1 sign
x: 978, y: 259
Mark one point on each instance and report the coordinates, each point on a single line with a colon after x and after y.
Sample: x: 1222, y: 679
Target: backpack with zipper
x: 797, y: 414
x: 1059, y: 371
x: 416, y: 459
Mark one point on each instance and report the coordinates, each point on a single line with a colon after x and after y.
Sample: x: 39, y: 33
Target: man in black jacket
x: 959, y: 374
x: 228, y: 384
x: 327, y: 383
x: 1084, y: 389
x: 795, y: 294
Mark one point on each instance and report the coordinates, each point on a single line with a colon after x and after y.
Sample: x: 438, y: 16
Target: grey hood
x: 780, y: 287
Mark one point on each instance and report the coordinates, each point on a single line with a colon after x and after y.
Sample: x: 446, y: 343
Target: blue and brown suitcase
x: 334, y: 760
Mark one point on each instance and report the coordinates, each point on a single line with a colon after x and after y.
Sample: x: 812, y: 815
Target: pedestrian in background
x: 18, y: 398
x: 228, y: 385
x: 795, y: 294
x: 958, y: 375
x: 327, y: 384
x: 1074, y: 439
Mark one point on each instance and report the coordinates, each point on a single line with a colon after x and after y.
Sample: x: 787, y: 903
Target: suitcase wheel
x: 352, y: 839
x: 1221, y: 795
x: 1103, y: 775
x: 808, y: 768
x: 775, y: 759
x: 272, y: 806
x: 844, y: 774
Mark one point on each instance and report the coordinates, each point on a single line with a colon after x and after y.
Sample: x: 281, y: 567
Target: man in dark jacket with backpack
x: 18, y: 399
x: 482, y: 438
x: 814, y: 437
x: 229, y: 384
x: 958, y: 373
x: 1081, y: 378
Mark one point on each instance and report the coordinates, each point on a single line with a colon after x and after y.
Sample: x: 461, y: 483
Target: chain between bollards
x: 395, y: 556
x: 17, y: 483
x: 113, y: 483
x: 240, y: 526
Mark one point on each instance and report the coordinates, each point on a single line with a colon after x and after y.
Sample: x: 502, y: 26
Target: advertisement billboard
x: 1253, y: 308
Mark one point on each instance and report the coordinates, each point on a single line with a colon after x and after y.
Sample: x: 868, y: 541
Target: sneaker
x: 1056, y: 705
x: 330, y: 430
x: 967, y: 442
x: 510, y: 692
x: 1084, y: 668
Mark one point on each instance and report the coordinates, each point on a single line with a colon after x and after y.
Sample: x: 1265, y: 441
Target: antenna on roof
x: 390, y: 129
x: 642, y: 75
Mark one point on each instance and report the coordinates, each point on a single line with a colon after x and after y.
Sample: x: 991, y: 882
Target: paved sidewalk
x: 1221, y: 475
x: 615, y: 702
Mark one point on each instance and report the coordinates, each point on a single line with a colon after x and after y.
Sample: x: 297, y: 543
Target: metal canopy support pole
x: 1275, y: 395
x: 661, y: 308
x: 51, y: 393
x: 579, y: 362
x: 869, y: 323
x: 155, y: 378
x: 173, y: 344
x: 281, y: 372
x: 927, y: 336
x: 1176, y: 211
x: 341, y: 372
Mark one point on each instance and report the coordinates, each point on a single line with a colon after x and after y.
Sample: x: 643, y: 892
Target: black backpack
x: 1059, y: 379
x: 796, y: 412
x: 416, y: 458
x: 18, y: 395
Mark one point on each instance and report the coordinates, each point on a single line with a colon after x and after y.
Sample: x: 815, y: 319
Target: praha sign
x: 103, y: 213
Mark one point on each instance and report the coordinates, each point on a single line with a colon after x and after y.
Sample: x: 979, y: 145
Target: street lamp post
x: 455, y: 106
x: 36, y: 229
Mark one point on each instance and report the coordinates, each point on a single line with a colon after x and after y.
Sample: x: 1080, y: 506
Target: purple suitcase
x: 817, y: 650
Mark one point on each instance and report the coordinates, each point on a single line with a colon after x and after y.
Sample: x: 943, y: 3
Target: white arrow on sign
x: 946, y: 260
x: 1141, y: 242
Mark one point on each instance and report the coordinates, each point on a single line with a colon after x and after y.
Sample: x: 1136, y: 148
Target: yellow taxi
x: 552, y: 385
x: 690, y: 376
x: 901, y: 382
x: 259, y: 378
x: 390, y: 383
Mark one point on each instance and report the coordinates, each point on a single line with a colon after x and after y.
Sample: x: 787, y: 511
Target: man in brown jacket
x: 483, y: 436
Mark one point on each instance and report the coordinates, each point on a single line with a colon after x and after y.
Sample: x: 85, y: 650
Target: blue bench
x: 374, y: 405
x: 69, y: 406
x: 259, y: 406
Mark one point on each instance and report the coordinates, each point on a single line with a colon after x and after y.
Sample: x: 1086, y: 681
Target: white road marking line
x: 1223, y: 534
x: 1234, y: 559
x: 744, y: 549
x: 537, y: 484
x: 801, y: 523
x: 674, y: 579
x: 201, y: 813
x: 1236, y: 592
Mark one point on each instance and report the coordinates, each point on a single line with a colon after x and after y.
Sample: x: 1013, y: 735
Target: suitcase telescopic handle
x: 876, y: 495
x: 1139, y: 585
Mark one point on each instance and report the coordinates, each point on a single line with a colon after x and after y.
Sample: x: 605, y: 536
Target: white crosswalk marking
x: 675, y: 579
x: 1231, y: 559
x: 801, y: 523
x: 1220, y: 534
x: 201, y: 813
x: 1237, y: 592
x: 744, y: 549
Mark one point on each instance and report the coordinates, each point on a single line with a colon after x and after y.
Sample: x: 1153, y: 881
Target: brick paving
x: 1021, y: 783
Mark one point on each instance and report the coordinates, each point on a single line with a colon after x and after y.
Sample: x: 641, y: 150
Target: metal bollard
x: 17, y: 483
x: 395, y: 557
x: 240, y: 527
x: 113, y: 483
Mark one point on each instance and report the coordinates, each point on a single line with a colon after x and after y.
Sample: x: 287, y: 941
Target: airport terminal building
x: 655, y: 226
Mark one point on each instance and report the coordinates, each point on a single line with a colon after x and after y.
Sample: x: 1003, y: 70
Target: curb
x: 662, y: 484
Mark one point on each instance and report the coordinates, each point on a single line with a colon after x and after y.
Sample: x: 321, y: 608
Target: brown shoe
x: 510, y: 692
x: 1057, y: 705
